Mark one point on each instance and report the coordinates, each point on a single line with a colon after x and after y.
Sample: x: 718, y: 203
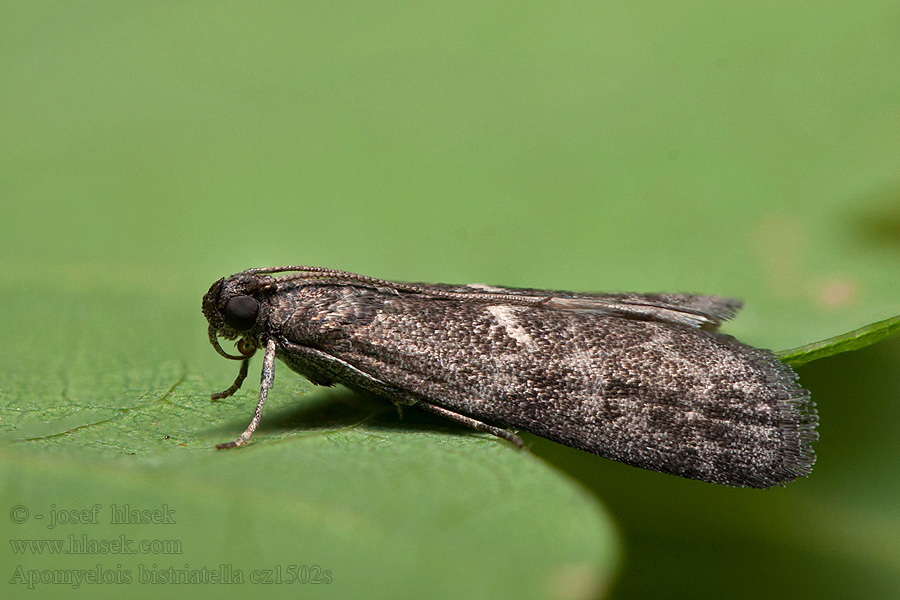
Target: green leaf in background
x: 151, y: 148
x: 853, y: 340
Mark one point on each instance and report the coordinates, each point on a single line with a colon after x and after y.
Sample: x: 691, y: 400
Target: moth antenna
x: 323, y: 275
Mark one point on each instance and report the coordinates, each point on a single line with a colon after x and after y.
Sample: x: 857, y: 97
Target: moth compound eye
x: 241, y: 312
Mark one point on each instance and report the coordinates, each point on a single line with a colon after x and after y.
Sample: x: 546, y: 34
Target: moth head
x: 233, y: 307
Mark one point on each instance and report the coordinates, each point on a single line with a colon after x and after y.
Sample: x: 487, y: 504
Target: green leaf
x: 853, y: 340
x: 333, y: 482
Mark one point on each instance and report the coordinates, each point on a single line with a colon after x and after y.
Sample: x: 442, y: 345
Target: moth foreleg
x: 242, y: 374
x: 265, y: 382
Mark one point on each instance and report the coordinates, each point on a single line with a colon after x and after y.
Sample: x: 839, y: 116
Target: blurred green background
x: 148, y: 149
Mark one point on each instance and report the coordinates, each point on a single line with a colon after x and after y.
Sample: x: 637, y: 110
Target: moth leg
x: 474, y: 424
x: 265, y: 382
x: 242, y: 374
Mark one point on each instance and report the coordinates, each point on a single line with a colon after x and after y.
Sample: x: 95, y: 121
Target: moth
x: 645, y: 379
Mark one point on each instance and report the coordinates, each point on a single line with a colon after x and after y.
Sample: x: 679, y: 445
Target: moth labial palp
x: 644, y: 379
